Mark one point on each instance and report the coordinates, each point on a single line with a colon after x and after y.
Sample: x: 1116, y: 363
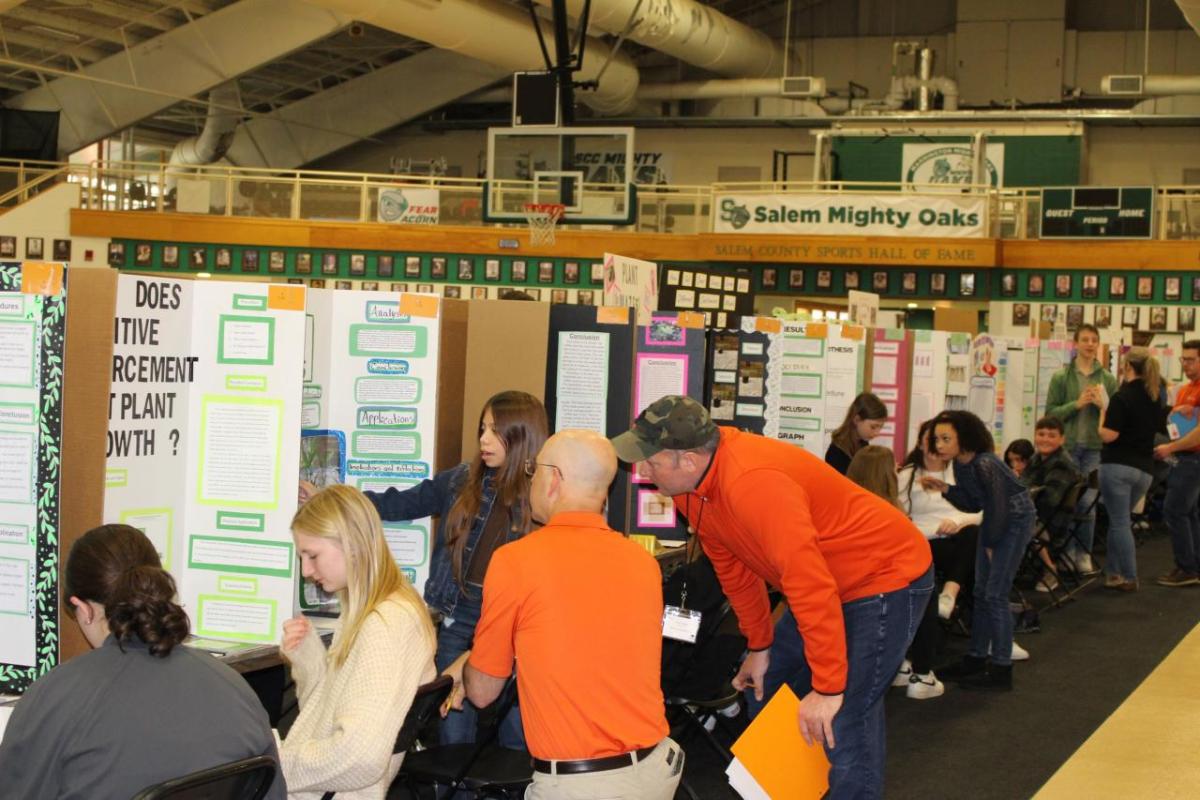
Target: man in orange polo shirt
x: 855, y: 572
x: 580, y: 607
x: 1181, y: 506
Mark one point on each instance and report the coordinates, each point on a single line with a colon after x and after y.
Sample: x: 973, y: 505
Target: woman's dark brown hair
x: 866, y: 406
x: 521, y: 424
x: 117, y: 567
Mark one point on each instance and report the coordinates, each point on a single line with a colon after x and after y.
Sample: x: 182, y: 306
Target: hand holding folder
x: 773, y: 761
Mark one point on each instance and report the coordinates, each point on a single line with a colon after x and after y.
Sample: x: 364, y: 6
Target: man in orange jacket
x: 855, y: 572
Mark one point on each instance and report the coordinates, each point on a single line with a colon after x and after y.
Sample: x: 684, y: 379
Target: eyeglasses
x: 531, y: 466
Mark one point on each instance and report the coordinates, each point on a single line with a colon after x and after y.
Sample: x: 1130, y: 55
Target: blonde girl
x: 353, y: 697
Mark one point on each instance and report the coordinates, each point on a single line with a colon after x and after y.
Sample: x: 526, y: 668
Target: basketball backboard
x: 584, y: 169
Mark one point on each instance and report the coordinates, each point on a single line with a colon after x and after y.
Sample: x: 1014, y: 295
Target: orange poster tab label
x: 41, y: 277
x: 768, y: 325
x: 816, y: 330
x: 691, y: 319
x: 285, y: 297
x: 854, y: 332
x: 418, y: 305
x: 612, y: 315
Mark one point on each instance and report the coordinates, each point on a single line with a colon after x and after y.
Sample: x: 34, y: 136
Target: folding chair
x: 1077, y: 518
x: 247, y: 779
x: 481, y: 768
x: 425, y: 704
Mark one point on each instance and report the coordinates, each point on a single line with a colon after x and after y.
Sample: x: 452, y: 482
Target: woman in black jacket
x: 1128, y: 424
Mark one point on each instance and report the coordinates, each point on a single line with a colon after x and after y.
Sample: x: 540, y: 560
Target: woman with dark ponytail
x: 140, y: 708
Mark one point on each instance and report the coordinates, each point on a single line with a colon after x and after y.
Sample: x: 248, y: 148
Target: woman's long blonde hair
x: 874, y: 469
x: 1146, y: 367
x: 346, y: 516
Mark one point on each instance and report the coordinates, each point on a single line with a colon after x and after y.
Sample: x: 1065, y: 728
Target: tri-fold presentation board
x: 32, y: 336
x: 370, y: 412
x: 203, y: 451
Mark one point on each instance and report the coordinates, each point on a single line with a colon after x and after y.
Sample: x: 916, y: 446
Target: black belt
x: 592, y: 764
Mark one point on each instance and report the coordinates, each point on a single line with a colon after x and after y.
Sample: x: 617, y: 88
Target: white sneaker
x: 1019, y: 653
x: 904, y: 674
x: 923, y: 687
x: 1084, y: 565
x: 1048, y: 583
x: 945, y: 605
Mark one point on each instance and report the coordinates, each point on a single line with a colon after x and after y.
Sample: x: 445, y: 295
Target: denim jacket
x: 435, y: 497
x: 987, y: 484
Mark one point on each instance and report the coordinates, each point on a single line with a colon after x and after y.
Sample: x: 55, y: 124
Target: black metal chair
x: 247, y: 779
x: 1051, y: 536
x: 425, y: 705
x: 482, y: 769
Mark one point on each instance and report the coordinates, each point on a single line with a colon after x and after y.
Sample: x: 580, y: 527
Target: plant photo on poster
x: 1037, y: 286
x: 1103, y: 316
x: 1116, y: 287
x: 1020, y: 314
x: 1091, y: 286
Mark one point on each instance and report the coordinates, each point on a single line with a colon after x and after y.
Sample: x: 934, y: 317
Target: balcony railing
x: 354, y: 197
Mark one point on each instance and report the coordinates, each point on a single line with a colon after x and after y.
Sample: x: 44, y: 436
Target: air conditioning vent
x: 803, y: 86
x: 1122, y: 84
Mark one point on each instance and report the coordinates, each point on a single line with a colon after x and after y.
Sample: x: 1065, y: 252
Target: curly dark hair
x: 973, y: 435
x: 118, y: 567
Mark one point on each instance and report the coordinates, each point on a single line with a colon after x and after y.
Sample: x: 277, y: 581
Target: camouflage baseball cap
x: 674, y: 422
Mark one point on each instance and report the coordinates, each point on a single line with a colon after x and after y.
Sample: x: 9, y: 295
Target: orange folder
x: 774, y: 753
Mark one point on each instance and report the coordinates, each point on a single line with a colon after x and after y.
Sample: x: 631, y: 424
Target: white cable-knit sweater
x: 349, y: 716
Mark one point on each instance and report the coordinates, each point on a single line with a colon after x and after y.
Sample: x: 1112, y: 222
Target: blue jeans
x: 992, y: 619
x: 879, y: 630
x: 1086, y: 460
x: 1121, y: 487
x: 453, y: 640
x: 1181, y: 509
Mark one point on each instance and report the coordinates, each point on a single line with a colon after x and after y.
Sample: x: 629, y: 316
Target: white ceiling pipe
x: 495, y: 33
x: 213, y: 141
x: 711, y: 90
x: 689, y: 31
x: 1160, y: 85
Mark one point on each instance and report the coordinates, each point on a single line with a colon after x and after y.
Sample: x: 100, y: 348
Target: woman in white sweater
x: 353, y: 697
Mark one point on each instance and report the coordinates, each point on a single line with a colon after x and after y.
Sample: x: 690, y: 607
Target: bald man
x: 580, y: 607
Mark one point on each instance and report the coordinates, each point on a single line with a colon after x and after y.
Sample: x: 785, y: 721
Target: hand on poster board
x: 307, y: 492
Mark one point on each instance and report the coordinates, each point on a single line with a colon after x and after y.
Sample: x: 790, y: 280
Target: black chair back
x: 702, y: 671
x: 248, y: 779
x: 425, y: 705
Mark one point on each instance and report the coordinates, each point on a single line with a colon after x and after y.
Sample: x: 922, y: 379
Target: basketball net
x: 543, y: 219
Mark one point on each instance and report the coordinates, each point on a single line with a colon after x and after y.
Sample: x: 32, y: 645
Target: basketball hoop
x: 542, y: 219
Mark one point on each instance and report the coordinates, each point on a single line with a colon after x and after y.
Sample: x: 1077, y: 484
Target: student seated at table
x: 353, y: 697
x: 1017, y: 455
x: 1050, y: 475
x: 140, y: 708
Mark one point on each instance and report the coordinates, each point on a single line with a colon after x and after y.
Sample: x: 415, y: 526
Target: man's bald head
x: 586, y: 465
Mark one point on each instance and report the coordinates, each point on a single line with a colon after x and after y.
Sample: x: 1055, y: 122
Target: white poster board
x: 633, y: 283
x: 203, y: 443
x: 370, y: 403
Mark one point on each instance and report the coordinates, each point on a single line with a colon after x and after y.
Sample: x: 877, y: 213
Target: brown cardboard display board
x: 506, y: 348
x: 956, y: 319
x: 452, y: 350
x: 86, y: 384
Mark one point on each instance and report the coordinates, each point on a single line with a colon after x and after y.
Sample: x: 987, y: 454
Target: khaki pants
x: 653, y: 778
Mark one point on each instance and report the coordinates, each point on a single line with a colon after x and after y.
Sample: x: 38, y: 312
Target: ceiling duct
x: 688, y: 30
x: 496, y: 33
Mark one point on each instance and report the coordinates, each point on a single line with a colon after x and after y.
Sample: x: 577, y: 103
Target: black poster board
x: 573, y: 391
x: 735, y: 381
x: 664, y: 352
x: 722, y: 296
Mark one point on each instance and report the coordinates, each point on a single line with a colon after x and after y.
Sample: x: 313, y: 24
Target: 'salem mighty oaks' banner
x: 854, y: 215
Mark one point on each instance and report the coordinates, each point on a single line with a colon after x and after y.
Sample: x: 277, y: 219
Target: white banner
x: 855, y: 215
x: 949, y: 164
x: 409, y: 206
